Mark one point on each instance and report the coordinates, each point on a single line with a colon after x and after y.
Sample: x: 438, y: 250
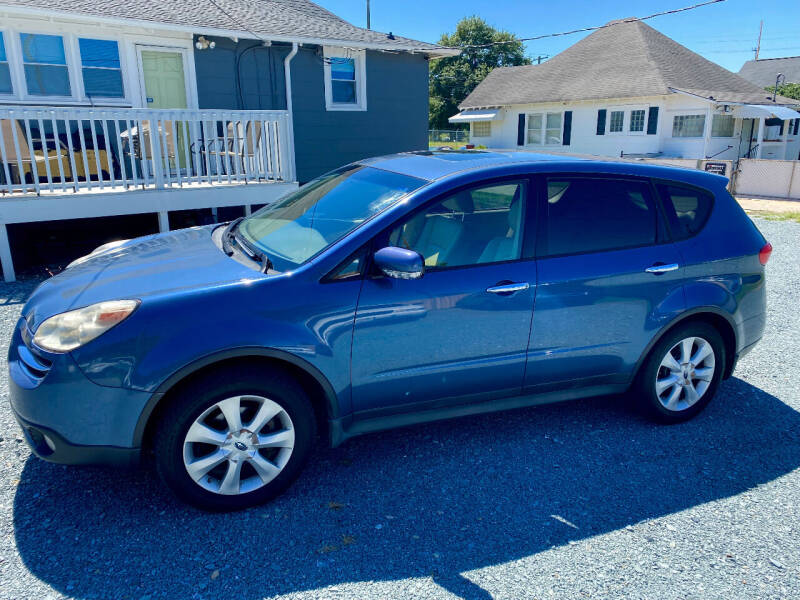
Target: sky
x: 725, y: 33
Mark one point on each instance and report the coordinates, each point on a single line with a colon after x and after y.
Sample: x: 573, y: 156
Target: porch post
x: 786, y: 125
x: 5, y: 256
x: 760, y: 138
x: 707, y: 132
x: 163, y: 221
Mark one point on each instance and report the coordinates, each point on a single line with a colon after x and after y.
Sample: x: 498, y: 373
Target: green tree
x: 454, y: 77
x: 789, y: 90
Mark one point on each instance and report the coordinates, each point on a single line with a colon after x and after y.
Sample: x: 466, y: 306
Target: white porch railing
x: 49, y: 150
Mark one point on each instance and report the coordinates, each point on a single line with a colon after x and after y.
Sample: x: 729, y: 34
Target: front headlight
x: 73, y: 329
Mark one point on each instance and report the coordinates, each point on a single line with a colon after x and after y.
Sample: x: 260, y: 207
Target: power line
x: 515, y: 40
x: 573, y: 31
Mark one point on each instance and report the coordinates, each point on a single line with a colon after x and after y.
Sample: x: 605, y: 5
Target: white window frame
x: 5, y: 33
x: 360, y: 59
x: 120, y: 52
x: 543, y: 128
x: 78, y: 96
x: 69, y: 58
x: 624, y: 121
x: 481, y: 135
x: 688, y: 113
x: 630, y: 120
x: 733, y: 132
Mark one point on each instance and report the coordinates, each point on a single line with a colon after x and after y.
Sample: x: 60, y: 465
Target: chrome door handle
x: 662, y: 268
x: 508, y: 288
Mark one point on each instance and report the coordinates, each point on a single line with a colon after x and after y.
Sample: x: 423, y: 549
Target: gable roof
x: 276, y: 20
x: 626, y: 59
x: 764, y: 71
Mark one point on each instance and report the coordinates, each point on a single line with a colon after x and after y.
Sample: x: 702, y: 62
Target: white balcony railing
x: 49, y: 150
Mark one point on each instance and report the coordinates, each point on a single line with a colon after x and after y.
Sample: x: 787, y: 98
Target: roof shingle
x: 763, y: 72
x: 265, y: 18
x: 624, y: 60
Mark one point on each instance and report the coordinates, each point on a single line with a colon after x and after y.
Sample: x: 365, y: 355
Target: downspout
x: 287, y: 72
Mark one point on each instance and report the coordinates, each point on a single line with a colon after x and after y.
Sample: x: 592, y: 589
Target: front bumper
x: 53, y: 447
x: 65, y: 417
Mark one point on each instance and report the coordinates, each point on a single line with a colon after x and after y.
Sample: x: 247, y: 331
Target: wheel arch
x: 320, y: 392
x: 719, y: 319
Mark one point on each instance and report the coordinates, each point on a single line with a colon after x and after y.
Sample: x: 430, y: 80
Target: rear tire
x: 681, y: 374
x: 235, y: 438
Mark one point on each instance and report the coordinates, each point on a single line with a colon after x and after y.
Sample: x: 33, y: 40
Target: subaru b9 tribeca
x: 397, y: 290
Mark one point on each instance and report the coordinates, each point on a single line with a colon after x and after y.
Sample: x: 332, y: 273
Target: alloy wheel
x: 685, y: 373
x: 238, y: 445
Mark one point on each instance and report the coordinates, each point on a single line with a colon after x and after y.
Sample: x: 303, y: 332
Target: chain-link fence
x: 448, y: 137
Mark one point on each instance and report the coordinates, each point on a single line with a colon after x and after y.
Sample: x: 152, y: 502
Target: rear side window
x: 687, y: 209
x: 593, y: 214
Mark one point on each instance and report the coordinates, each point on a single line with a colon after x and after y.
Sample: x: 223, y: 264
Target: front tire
x: 681, y: 374
x: 234, y: 438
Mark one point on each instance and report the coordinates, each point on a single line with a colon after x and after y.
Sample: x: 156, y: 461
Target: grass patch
x: 775, y: 216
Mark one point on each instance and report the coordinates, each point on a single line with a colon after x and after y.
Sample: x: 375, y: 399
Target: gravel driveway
x: 583, y: 499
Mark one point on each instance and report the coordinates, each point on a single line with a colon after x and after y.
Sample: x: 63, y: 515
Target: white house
x: 628, y: 90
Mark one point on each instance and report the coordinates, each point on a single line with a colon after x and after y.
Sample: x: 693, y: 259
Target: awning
x: 757, y: 111
x: 467, y: 116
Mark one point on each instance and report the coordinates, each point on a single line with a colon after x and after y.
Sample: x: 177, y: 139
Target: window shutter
x: 567, y: 128
x: 601, y: 121
x: 521, y: 130
x: 652, y: 120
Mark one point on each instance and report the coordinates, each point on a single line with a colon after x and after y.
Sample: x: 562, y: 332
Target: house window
x: 45, y: 65
x: 722, y: 126
x: 345, y: 79
x: 616, y: 120
x: 688, y: 125
x: 482, y: 129
x: 773, y: 130
x: 544, y: 129
x: 5, y: 71
x: 101, y: 69
x: 637, y: 121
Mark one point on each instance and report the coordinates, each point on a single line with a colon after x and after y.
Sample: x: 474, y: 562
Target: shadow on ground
x: 435, y: 500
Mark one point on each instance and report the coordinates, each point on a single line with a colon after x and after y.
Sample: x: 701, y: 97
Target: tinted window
x: 588, y: 215
x: 687, y: 209
x: 478, y: 226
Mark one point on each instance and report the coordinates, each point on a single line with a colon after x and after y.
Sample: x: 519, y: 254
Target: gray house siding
x: 396, y: 118
x: 260, y: 85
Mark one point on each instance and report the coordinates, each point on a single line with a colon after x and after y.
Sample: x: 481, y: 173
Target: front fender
x: 307, y: 322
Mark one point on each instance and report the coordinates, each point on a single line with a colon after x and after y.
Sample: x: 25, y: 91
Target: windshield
x: 307, y: 221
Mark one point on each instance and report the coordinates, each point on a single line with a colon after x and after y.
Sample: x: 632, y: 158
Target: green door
x: 165, y: 87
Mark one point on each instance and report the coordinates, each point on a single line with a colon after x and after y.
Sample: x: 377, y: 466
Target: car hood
x: 167, y: 263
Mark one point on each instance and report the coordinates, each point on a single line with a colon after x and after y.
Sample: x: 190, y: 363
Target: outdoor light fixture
x: 203, y: 44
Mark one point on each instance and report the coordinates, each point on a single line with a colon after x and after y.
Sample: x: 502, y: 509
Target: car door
x: 608, y: 280
x: 461, y: 331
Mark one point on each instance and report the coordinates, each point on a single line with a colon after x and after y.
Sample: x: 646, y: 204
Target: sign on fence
x: 718, y: 168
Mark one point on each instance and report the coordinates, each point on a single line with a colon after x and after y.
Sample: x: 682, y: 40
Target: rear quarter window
x: 687, y: 209
x: 598, y: 214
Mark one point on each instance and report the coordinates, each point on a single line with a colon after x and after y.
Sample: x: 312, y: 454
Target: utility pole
x: 758, y: 47
x: 368, y: 17
x: 541, y: 57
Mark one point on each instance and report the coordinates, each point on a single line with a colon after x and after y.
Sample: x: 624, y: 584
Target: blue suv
x: 397, y: 290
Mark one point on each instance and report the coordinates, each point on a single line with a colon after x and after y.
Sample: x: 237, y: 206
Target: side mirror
x: 399, y: 263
